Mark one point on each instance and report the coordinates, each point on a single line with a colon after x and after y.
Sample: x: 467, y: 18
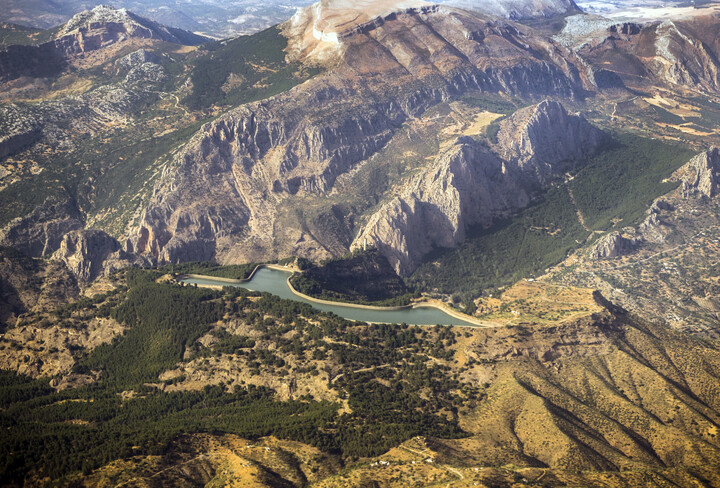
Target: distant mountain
x: 219, y: 20
x: 517, y: 9
x: 90, y: 30
x: 602, y: 7
x: 243, y: 16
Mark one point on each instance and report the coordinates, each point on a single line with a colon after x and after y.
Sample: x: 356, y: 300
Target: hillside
x: 362, y: 277
x: 612, y: 393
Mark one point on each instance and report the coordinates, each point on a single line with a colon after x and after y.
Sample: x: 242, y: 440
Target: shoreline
x: 219, y: 278
x: 428, y: 303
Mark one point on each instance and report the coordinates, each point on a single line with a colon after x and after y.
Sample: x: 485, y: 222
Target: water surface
x: 275, y: 281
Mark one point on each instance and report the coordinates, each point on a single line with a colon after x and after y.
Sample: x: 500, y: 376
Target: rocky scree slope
x: 219, y: 197
x: 470, y: 184
x: 58, y: 122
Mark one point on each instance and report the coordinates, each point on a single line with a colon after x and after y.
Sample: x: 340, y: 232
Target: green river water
x: 275, y: 281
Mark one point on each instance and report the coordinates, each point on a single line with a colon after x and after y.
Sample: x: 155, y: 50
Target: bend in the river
x: 276, y: 282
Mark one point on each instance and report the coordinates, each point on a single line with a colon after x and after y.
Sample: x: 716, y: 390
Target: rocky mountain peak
x: 545, y: 139
x: 98, y: 15
x: 701, y: 174
x: 470, y: 185
x: 104, y: 24
x: 316, y: 32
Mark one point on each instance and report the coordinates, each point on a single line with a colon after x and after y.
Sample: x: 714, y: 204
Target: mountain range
x: 551, y: 174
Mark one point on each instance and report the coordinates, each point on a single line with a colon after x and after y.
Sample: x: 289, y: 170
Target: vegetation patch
x: 233, y: 271
x: 362, y: 277
x: 14, y: 34
x: 619, y: 184
x: 243, y: 70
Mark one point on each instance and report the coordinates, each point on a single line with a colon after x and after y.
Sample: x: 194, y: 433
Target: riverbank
x: 224, y: 280
x: 467, y: 320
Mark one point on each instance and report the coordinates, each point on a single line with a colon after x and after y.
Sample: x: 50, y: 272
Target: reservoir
x: 275, y: 281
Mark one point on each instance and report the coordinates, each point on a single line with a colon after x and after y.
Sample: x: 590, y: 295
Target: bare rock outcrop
x: 683, y: 59
x: 544, y: 140
x: 701, y: 175
x: 140, y: 67
x: 90, y: 254
x: 39, y: 233
x: 614, y: 245
x: 595, y: 335
x: 32, y: 285
x: 36, y: 350
x: 471, y: 185
x: 16, y: 130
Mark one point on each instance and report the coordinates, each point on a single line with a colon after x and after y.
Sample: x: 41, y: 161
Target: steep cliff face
x: 472, y: 185
x: 90, y: 254
x: 54, y: 230
x: 219, y: 198
x: 701, y: 174
x: 39, y: 233
x: 681, y: 53
x: 544, y: 140
x: 466, y: 185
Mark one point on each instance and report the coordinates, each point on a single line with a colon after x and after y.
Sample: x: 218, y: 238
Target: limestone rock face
x: 544, y: 140
x: 684, y: 60
x: 702, y: 174
x: 140, y: 67
x: 39, y: 233
x: 219, y: 197
x: 675, y: 53
x: 473, y: 185
x: 89, y: 254
x: 614, y: 245
x: 466, y: 185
